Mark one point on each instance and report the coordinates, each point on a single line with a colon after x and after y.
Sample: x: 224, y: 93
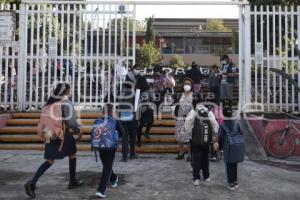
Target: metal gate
x: 273, y: 43
x: 84, y: 43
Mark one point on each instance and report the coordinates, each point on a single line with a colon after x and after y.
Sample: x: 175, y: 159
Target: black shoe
x: 124, y: 160
x: 188, y: 159
x: 133, y: 157
x: 29, y: 188
x: 146, y: 135
x: 180, y: 157
x: 75, y: 184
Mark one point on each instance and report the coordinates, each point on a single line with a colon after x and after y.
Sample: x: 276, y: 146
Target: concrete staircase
x: 20, y: 131
x: 20, y: 134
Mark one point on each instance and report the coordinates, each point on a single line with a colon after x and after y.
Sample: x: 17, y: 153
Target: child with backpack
x: 204, y: 127
x: 105, y: 136
x: 232, y: 142
x: 57, y: 118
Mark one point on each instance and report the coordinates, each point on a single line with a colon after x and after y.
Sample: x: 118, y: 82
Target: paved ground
x: 153, y: 177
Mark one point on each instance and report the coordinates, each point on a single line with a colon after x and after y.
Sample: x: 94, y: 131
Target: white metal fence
x: 83, y: 43
x: 274, y: 43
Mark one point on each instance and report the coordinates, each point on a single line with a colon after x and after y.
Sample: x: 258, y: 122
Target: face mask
x: 187, y: 88
x: 136, y: 72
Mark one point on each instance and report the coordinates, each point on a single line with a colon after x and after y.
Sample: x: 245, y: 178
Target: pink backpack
x: 51, y: 125
x: 218, y: 114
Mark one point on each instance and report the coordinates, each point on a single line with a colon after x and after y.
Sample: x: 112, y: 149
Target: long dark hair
x: 60, y: 91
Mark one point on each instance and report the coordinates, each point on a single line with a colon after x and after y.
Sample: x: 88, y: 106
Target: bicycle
x: 282, y: 144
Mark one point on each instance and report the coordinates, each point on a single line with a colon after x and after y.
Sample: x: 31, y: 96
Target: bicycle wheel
x: 280, y: 149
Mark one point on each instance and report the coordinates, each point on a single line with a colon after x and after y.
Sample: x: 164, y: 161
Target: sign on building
x: 7, y: 24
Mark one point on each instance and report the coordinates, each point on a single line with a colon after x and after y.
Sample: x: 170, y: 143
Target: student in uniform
x: 55, y: 150
x: 107, y: 158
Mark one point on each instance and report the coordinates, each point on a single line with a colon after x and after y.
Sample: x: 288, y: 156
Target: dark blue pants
x: 129, y: 137
x: 107, y: 158
x: 231, y: 170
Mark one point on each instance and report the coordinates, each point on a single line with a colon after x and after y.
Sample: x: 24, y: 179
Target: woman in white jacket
x: 200, y: 153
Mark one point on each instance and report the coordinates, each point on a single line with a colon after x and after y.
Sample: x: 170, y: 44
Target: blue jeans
x: 130, y: 128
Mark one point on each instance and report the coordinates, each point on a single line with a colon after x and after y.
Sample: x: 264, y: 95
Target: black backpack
x: 202, y: 131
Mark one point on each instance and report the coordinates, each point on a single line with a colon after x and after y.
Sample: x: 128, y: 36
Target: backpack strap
x: 235, y: 127
x: 226, y: 129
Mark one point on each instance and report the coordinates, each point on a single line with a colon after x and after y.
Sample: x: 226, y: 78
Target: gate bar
x: 234, y: 2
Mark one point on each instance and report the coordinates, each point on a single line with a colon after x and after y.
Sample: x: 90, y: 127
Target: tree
x: 138, y: 24
x: 216, y: 25
x: 177, y: 60
x: 147, y: 54
x: 149, y: 35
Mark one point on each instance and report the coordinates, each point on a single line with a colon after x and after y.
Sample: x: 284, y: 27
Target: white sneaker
x: 101, y: 195
x: 207, y: 180
x: 196, y: 182
x: 115, y: 183
x: 231, y: 187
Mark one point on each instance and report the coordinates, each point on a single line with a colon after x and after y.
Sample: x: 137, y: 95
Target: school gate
x: 85, y: 43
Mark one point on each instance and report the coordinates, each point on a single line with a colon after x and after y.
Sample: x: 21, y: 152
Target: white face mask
x: 187, y: 88
x: 223, y: 62
x: 136, y: 72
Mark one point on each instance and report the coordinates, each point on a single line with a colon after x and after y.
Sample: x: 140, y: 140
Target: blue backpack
x: 104, y: 135
x: 234, y: 147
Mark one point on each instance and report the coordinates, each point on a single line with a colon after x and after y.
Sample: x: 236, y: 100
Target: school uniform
x: 107, y: 158
x: 69, y: 146
x: 230, y: 168
x: 200, y: 158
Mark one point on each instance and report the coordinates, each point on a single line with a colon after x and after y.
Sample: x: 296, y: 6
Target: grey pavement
x: 151, y: 177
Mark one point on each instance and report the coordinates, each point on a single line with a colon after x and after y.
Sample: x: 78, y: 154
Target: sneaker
x: 188, y: 159
x: 114, y: 184
x: 213, y: 159
x: 100, y: 194
x: 29, y: 188
x: 207, y: 180
x: 75, y: 184
x: 236, y: 185
x: 231, y: 187
x: 180, y: 157
x: 196, y: 182
x: 124, y: 160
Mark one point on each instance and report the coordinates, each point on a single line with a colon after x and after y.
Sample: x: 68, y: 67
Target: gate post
x: 244, y: 57
x: 22, y: 58
x: 298, y: 28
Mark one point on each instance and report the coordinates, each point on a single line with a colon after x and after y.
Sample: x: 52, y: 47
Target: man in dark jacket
x: 195, y: 75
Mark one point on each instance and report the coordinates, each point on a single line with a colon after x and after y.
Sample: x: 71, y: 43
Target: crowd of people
x: 199, y: 125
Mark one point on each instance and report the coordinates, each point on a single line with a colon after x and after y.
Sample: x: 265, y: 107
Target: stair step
x: 84, y: 129
x: 81, y: 115
x: 85, y: 138
x: 27, y: 122
x: 147, y: 148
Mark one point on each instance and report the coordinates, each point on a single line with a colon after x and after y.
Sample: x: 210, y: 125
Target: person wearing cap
x: 229, y: 74
x: 195, y: 74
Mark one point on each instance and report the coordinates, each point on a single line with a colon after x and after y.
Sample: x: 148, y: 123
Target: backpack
x: 202, y: 130
x: 234, y: 146
x: 51, y: 125
x: 104, y: 135
x: 218, y: 114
